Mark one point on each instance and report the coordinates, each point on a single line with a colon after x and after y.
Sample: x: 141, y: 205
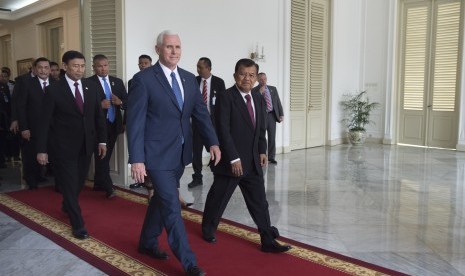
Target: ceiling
x: 12, y: 5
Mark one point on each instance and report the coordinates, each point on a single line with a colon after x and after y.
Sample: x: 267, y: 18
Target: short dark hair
x: 146, y: 57
x: 53, y: 63
x: 245, y: 62
x: 69, y: 55
x: 99, y: 57
x: 207, y: 61
x: 6, y: 70
x: 39, y: 60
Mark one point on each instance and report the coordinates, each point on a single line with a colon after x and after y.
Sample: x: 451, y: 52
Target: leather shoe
x: 98, y: 188
x: 272, y: 161
x: 195, y: 183
x: 136, y: 185
x: 275, y: 247
x: 195, y: 271
x: 157, y: 254
x: 111, y: 194
x: 80, y: 234
x: 186, y: 205
x: 210, y: 239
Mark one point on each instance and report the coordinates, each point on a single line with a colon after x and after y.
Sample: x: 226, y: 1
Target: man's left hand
x: 263, y: 160
x: 115, y: 100
x: 102, y: 151
x: 215, y: 154
x: 281, y: 118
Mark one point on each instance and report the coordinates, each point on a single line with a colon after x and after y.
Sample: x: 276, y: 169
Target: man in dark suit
x: 210, y: 86
x: 145, y: 61
x: 274, y: 113
x: 113, y: 96
x: 240, y: 124
x: 72, y: 120
x: 29, y: 106
x: 162, y: 101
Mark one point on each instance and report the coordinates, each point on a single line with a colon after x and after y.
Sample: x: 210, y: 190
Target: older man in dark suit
x: 113, y: 96
x: 72, y: 120
x: 162, y: 101
x: 274, y: 113
x: 210, y: 86
x: 240, y: 124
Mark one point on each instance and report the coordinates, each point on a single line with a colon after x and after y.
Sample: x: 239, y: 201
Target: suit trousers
x: 165, y: 211
x: 70, y: 174
x: 253, y: 190
x: 102, y: 176
x: 197, y: 150
x: 31, y: 168
x: 271, y: 134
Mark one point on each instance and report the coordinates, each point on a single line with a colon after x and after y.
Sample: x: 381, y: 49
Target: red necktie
x: 204, y: 92
x: 78, y: 98
x: 250, y: 109
x: 45, y: 85
x: 267, y: 99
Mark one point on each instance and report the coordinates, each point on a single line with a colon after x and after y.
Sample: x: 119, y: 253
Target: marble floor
x: 395, y: 206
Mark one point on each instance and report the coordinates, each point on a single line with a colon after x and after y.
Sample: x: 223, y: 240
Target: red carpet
x: 114, y: 226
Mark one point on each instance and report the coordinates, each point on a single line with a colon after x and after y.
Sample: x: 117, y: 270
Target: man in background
x: 54, y: 70
x: 274, y: 113
x: 113, y: 96
x: 210, y: 86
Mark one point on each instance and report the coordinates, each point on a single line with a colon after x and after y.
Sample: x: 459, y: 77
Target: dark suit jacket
x: 29, y: 104
x: 117, y: 88
x: 63, y: 129
x: 238, y: 138
x: 277, y: 107
x: 20, y: 82
x: 216, y: 86
x: 156, y: 125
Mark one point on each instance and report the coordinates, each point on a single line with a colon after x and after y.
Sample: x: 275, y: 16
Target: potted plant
x: 358, y: 109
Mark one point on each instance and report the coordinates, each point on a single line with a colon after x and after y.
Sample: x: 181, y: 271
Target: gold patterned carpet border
x: 132, y: 266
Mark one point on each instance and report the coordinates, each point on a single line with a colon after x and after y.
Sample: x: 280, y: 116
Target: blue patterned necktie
x: 111, y: 110
x: 176, y: 89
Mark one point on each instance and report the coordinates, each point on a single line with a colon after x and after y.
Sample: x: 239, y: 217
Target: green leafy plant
x: 358, y: 109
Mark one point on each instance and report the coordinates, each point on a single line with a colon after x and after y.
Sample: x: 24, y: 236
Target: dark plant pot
x: 357, y: 137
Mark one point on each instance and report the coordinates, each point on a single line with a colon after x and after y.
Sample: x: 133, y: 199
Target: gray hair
x: 162, y: 35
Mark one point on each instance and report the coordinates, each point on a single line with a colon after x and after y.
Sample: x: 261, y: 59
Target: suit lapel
x: 160, y: 75
x: 242, y: 106
x: 87, y: 96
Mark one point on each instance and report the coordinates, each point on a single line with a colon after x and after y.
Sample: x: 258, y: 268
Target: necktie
x: 176, y: 89
x: 204, y: 92
x: 250, y: 109
x: 267, y: 99
x: 78, y: 98
x: 111, y: 110
x: 45, y: 85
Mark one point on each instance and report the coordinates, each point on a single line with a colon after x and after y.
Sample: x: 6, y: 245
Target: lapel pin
x: 87, y: 88
x: 112, y: 83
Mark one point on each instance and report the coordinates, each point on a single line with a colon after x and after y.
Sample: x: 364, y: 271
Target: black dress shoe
x: 275, y: 247
x: 111, y: 194
x: 136, y: 185
x: 98, y: 188
x: 272, y: 161
x: 186, y: 205
x: 157, y: 254
x: 195, y: 271
x: 210, y: 239
x: 63, y: 209
x: 80, y: 234
x: 195, y: 183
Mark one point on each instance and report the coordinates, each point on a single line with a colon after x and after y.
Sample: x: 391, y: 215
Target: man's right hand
x: 14, y: 127
x: 138, y: 172
x: 106, y: 104
x: 26, y: 134
x: 42, y: 158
